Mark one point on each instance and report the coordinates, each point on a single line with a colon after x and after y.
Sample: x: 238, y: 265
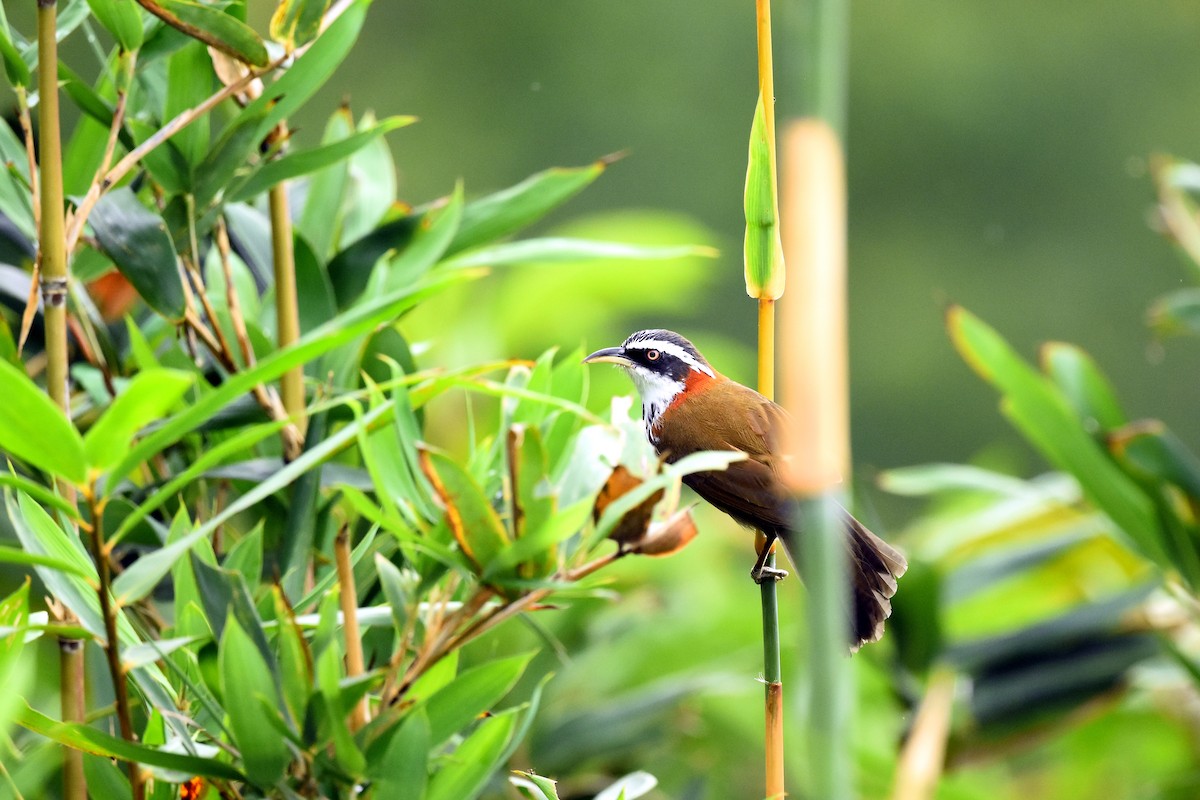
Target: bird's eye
x: 653, y: 355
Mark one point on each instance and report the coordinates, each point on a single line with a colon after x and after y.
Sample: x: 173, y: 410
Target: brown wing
x: 729, y: 416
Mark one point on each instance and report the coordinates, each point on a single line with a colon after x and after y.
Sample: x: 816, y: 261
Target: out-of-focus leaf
x: 321, y: 218
x: 148, y: 396
x: 434, y: 233
x: 466, y: 774
x: 474, y: 522
x: 630, y: 786
x: 998, y: 563
x: 122, y: 19
x: 1087, y: 621
x: 569, y: 251
x: 1057, y: 681
x: 212, y: 26
x: 926, y: 479
x: 304, y: 162
x: 403, y: 771
x: 370, y: 186
x: 471, y: 694
x: 507, y: 211
x: 136, y: 240
x: 1176, y: 313
x: 91, y: 740
x: 310, y: 71
x: 1084, y: 386
x: 14, y: 66
x: 35, y: 430
x: 1043, y: 415
x: 296, y: 22
x: 1154, y: 451
x: 249, y: 692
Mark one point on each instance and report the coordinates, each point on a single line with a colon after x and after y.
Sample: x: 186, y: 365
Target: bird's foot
x: 762, y: 574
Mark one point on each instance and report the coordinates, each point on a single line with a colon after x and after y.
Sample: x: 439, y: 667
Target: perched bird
x: 688, y: 406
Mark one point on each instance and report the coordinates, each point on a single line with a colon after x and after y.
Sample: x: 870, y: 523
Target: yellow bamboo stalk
x: 924, y: 754
x: 814, y: 311
x: 349, y: 600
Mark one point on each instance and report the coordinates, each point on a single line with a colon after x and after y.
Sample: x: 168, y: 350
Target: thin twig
x: 112, y: 645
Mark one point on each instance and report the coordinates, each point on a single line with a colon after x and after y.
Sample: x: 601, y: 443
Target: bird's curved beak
x: 612, y: 355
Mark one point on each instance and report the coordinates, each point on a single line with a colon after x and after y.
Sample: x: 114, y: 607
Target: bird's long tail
x: 874, y: 567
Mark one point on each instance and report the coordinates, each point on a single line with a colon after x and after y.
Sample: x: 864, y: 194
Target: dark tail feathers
x: 874, y: 566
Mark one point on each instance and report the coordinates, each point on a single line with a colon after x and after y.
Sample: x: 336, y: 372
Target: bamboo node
x: 54, y: 291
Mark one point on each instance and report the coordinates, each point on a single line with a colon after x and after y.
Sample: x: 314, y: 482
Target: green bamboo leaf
x: 320, y: 221
x: 395, y: 589
x: 570, y: 251
x: 122, y: 19
x: 213, y: 27
x: 763, y: 252
x: 466, y: 775
x: 234, y: 150
x: 16, y: 555
x: 190, y: 79
x: 403, y: 771
x: 473, y: 521
x: 329, y: 676
x: 88, y: 99
x: 927, y: 479
x: 14, y: 65
x: 472, y: 693
x: 370, y: 186
x: 509, y: 210
x: 538, y: 542
x: 534, y: 787
x: 1084, y: 386
x: 144, y: 400
x: 40, y: 493
x: 310, y: 71
x: 91, y: 740
x: 1042, y: 414
x: 35, y: 430
x: 146, y: 572
x: 304, y: 162
x: 343, y: 328
x: 136, y: 240
x: 295, y: 660
x: 248, y: 691
x: 297, y: 22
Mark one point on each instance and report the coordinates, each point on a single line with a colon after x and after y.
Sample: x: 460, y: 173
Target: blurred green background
x: 997, y: 158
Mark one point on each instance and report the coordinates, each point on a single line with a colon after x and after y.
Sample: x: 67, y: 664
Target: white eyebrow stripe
x: 672, y: 349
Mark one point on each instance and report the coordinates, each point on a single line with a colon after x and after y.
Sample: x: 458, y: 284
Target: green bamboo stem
x: 768, y: 591
x: 52, y: 267
x: 813, y: 217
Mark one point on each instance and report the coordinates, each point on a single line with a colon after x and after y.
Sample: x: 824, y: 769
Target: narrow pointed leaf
x: 248, y: 691
x: 1084, y: 386
x: 296, y: 22
x: 475, y: 524
x: 471, y: 694
x: 467, y: 774
x: 570, y: 251
x: 122, y: 19
x: 213, y: 27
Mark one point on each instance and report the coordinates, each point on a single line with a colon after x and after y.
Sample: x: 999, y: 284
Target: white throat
x: 657, y: 392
